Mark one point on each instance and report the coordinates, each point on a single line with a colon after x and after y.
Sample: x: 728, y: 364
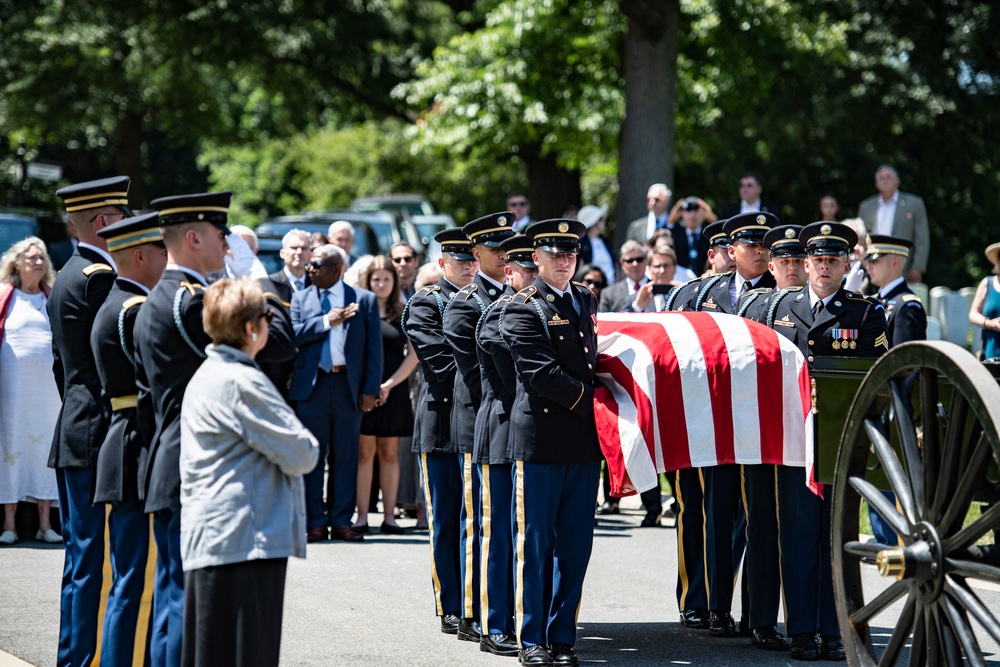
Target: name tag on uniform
x: 710, y: 303
x: 784, y: 322
x: 557, y: 320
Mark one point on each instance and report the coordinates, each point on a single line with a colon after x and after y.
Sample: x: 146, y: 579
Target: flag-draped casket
x: 683, y: 390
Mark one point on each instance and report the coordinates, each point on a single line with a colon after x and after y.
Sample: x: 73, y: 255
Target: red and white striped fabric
x: 688, y: 390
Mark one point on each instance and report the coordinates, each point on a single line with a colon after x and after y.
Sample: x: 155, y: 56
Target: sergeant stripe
x: 519, y: 512
x: 470, y: 535
x: 106, y: 579
x: 145, y: 618
x: 484, y: 550
x: 430, y: 530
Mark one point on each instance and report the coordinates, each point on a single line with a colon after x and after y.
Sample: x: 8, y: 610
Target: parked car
x: 271, y: 231
x: 14, y: 227
x: 404, y: 208
x: 426, y: 227
x: 381, y: 223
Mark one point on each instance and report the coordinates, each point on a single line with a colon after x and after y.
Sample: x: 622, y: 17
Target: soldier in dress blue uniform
x: 136, y: 246
x: 551, y: 330
x: 422, y: 322
x: 905, y: 319
x: 78, y: 293
x: 499, y: 383
x: 822, y: 319
x: 460, y: 321
x: 169, y: 347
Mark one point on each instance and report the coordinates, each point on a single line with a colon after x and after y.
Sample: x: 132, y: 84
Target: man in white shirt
x: 293, y: 276
x: 751, y: 189
x: 899, y: 214
x: 658, y: 206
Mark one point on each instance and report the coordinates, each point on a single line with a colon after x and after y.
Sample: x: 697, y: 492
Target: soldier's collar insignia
x: 837, y: 304
x: 550, y: 298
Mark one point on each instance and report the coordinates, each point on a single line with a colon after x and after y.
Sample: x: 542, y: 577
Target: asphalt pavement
x: 371, y: 604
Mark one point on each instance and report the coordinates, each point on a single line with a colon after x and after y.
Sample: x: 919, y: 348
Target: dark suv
x: 366, y: 240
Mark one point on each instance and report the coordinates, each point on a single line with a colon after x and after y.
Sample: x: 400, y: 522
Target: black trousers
x: 232, y: 614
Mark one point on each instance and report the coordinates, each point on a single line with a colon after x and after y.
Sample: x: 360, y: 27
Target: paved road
x: 352, y: 604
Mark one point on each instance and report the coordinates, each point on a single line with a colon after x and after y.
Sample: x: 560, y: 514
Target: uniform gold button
x: 561, y: 338
x: 589, y: 366
x: 545, y: 409
x: 809, y: 359
x: 811, y: 343
x: 586, y: 350
x: 446, y: 400
x: 581, y: 334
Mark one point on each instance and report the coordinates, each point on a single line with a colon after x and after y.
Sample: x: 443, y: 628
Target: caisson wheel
x: 925, y: 420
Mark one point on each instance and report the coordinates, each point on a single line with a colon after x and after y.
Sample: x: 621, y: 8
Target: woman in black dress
x: 393, y: 417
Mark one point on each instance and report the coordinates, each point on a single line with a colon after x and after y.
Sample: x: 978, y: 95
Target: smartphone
x: 662, y: 289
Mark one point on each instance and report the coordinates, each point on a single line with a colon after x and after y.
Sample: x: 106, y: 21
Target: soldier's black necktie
x: 571, y: 304
x: 745, y: 288
x: 818, y: 308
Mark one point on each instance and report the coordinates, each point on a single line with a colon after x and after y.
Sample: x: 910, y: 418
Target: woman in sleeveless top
x: 985, y: 309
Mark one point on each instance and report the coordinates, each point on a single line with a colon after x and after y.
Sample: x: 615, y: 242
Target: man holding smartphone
x: 652, y: 296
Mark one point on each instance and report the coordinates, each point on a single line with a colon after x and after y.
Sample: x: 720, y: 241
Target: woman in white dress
x: 29, y: 399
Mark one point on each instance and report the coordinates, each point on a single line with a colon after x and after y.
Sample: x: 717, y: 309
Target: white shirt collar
x: 813, y: 298
x: 292, y: 279
x: 102, y: 253
x: 190, y: 272
x: 558, y: 291
x: 489, y: 280
x: 749, y: 206
x: 892, y: 201
x: 336, y: 289
x: 891, y: 286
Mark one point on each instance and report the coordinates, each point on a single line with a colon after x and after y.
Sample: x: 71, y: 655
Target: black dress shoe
x: 449, y: 624
x: 360, y: 530
x: 832, y: 648
x: 721, y: 624
x: 389, y: 529
x: 609, y: 508
x: 562, y: 654
x: 316, y: 534
x: 768, y: 638
x: 695, y: 618
x: 469, y: 630
x: 502, y: 644
x: 651, y: 519
x: 346, y: 534
x: 534, y: 655
x: 805, y: 646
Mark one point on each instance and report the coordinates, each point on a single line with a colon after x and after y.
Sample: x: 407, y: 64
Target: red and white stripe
x: 688, y: 390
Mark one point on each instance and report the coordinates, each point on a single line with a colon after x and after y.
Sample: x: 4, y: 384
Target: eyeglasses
x: 316, y: 266
x: 633, y: 260
x: 517, y: 203
x: 594, y: 283
x: 405, y: 259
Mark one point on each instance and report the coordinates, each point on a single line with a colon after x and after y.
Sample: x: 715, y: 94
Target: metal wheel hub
x: 921, y: 563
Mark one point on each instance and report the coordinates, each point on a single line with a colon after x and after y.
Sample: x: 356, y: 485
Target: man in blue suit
x: 335, y: 380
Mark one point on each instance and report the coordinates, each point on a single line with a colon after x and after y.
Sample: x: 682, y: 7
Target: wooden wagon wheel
x: 938, y: 457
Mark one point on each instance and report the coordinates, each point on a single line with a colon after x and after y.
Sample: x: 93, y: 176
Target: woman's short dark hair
x: 228, y: 305
x: 587, y: 268
x: 394, y: 306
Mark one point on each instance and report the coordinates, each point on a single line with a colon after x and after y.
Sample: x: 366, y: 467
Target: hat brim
x: 826, y: 251
x: 993, y: 253
x: 525, y: 264
x: 548, y: 247
x: 463, y: 256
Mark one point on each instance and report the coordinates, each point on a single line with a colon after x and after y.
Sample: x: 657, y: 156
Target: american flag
x: 688, y: 390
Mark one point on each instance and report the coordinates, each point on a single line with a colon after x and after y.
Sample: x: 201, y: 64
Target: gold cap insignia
x: 761, y: 220
x: 502, y: 221
x: 563, y: 227
x: 868, y: 239
x: 789, y: 233
x: 825, y: 229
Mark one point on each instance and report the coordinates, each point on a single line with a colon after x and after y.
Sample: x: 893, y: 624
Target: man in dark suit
x: 341, y: 234
x: 460, y: 321
x: 293, y: 277
x: 520, y: 207
x: 136, y: 245
x: 641, y: 229
x: 335, y: 381
x: 61, y: 251
x: 77, y: 295
x: 168, y: 351
x: 822, y: 319
x: 551, y: 329
x: 690, y: 244
x: 751, y: 189
x: 619, y: 296
x: 439, y: 464
x: 901, y: 215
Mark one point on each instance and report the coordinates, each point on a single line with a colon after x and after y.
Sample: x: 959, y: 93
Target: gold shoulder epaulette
x: 134, y: 301
x: 504, y: 298
x: 277, y: 298
x: 527, y: 293
x: 794, y: 289
x: 911, y: 297
x: 467, y: 291
x: 94, y: 268
x: 756, y: 290
x: 429, y: 289
x: 191, y: 287
x: 583, y: 285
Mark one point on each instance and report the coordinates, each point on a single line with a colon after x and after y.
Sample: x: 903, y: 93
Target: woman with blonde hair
x: 243, y: 454
x: 29, y: 402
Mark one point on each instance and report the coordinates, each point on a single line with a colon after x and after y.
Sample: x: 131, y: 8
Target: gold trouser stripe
x: 430, y: 530
x: 681, y: 561
x: 781, y: 574
x: 704, y: 534
x: 145, y: 603
x: 519, y: 511
x: 106, y: 580
x: 470, y: 535
x: 746, y: 528
x: 484, y: 550
x: 123, y: 402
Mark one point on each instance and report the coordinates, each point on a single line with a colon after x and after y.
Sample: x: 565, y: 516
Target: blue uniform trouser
x: 553, y: 526
x: 470, y: 519
x: 762, y: 565
x: 86, y: 578
x: 335, y: 421
x: 804, y: 539
x: 884, y: 534
x: 725, y: 533
x: 129, y: 618
x: 442, y: 478
x: 692, y: 589
x: 168, y: 594
x: 496, y: 581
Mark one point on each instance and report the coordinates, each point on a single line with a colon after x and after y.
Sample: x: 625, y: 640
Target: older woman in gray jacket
x: 243, y: 454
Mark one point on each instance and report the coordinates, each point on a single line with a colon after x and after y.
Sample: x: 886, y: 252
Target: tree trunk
x: 551, y: 189
x: 646, y: 146
x: 128, y: 159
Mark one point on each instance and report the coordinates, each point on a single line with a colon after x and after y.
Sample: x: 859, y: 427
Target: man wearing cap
x: 423, y: 320
x: 77, y: 295
x: 136, y: 245
x: 460, y: 321
x: 169, y: 347
x: 690, y: 243
x: 822, y: 319
x: 905, y: 320
x: 551, y: 330
x: 499, y: 382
